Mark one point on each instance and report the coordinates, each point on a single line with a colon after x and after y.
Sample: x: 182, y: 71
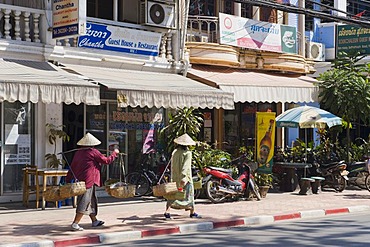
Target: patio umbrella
x: 307, y: 117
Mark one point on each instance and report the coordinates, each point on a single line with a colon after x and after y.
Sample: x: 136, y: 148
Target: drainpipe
x: 301, y: 28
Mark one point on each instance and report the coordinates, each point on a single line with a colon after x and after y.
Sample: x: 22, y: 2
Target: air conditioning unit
x: 315, y: 51
x: 158, y: 14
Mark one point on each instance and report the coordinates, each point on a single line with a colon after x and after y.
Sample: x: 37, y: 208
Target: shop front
x: 134, y: 108
x: 27, y: 90
x: 253, y: 92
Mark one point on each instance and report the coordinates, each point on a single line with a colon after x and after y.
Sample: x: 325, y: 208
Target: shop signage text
x: 69, y: 18
x: 120, y: 39
x: 353, y: 38
x: 248, y: 33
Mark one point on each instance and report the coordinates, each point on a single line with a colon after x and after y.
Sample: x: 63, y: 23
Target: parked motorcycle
x: 220, y: 184
x: 335, y: 174
x: 357, y: 174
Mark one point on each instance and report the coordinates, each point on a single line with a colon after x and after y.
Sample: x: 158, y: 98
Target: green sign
x: 353, y: 38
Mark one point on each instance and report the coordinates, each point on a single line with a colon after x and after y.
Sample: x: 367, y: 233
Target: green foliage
x: 184, y: 120
x: 204, y: 155
x: 55, y: 133
x: 263, y: 179
x: 345, y: 90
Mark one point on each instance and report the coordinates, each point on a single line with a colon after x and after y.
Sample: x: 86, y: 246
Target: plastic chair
x: 29, y: 182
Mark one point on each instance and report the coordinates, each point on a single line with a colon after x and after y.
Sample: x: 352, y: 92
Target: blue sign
x: 120, y: 39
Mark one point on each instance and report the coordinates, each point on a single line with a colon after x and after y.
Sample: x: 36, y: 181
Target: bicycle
x: 145, y: 178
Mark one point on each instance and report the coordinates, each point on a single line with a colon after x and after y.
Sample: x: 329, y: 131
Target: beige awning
x: 33, y: 81
x: 151, y: 89
x: 250, y: 86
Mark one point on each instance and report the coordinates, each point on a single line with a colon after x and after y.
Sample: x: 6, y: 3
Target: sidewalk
x: 142, y: 217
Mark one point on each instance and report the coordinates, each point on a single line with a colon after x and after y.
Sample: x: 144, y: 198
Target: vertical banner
x: 265, y: 140
x: 69, y: 18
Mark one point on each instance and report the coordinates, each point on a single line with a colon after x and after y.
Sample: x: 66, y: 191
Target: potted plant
x: 264, y: 182
x: 54, y: 133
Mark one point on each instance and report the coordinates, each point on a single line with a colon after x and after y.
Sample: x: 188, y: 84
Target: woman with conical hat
x: 86, y: 166
x: 181, y: 174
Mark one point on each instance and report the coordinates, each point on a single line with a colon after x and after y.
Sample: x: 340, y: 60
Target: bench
x: 316, y: 184
x: 305, y: 186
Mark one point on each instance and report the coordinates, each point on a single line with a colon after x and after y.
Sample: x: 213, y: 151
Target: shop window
x: 229, y: 7
x: 202, y: 7
x: 17, y: 145
x: 100, y: 9
x: 247, y: 10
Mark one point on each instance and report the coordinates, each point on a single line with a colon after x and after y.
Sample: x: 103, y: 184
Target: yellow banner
x: 265, y: 140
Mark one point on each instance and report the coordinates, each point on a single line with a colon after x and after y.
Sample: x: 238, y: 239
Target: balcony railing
x: 203, y: 29
x: 19, y: 23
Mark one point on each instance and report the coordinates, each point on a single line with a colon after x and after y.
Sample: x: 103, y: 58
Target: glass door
x: 16, y: 144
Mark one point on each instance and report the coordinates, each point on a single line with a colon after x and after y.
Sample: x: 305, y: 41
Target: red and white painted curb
x: 110, y: 238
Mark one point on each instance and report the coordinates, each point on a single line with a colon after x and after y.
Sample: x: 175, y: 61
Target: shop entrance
x: 16, y: 144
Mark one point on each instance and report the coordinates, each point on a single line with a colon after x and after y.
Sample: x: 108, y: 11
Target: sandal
x: 195, y: 215
x: 168, y: 216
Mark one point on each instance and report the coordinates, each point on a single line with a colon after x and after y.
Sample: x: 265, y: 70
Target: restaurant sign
x: 258, y: 35
x: 120, y: 39
x: 69, y: 18
x: 353, y: 38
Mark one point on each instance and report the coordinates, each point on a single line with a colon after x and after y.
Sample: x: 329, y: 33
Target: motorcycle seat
x: 332, y: 164
x: 221, y: 169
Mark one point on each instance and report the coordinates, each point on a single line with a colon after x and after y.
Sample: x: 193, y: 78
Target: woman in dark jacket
x: 86, y: 166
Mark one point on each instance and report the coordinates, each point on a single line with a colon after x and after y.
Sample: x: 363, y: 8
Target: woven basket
x: 121, y: 190
x: 162, y: 189
x: 197, y: 184
x: 52, y: 194
x: 179, y: 195
x: 72, y: 189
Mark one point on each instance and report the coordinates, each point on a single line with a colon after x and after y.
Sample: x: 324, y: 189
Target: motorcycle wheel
x: 339, y: 183
x: 367, y: 182
x: 255, y: 189
x: 212, y: 193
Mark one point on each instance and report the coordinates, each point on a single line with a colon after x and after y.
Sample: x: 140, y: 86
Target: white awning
x: 258, y: 87
x: 44, y: 82
x: 151, y: 89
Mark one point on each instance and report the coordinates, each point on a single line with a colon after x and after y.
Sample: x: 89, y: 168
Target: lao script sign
x: 248, y: 33
x: 353, y: 38
x: 120, y: 39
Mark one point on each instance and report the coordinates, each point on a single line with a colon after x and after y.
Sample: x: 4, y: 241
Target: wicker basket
x: 121, y: 190
x: 162, y: 189
x: 52, y: 194
x: 179, y: 195
x: 72, y: 189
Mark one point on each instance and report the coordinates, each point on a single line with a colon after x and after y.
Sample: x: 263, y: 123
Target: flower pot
x: 263, y: 190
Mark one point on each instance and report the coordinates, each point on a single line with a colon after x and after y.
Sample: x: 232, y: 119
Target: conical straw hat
x: 88, y: 140
x: 184, y: 140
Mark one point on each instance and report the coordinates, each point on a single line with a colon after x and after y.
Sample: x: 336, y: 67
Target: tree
x: 184, y: 120
x: 345, y: 89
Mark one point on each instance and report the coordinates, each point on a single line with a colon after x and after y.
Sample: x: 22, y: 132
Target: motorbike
x: 357, y: 174
x: 220, y: 184
x: 335, y: 174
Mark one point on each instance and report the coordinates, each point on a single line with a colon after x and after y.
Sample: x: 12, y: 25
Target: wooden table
x: 45, y: 173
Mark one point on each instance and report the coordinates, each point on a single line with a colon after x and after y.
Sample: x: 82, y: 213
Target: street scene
x: 184, y: 122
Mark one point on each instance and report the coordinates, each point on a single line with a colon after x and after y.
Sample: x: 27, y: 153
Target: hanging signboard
x: 69, y: 18
x: 252, y: 34
x: 120, y: 39
x: 265, y: 140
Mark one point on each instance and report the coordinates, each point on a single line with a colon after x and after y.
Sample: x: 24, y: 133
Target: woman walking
x: 181, y: 174
x: 85, y: 166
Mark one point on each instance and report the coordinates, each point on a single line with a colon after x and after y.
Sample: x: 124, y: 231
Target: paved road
x: 339, y: 230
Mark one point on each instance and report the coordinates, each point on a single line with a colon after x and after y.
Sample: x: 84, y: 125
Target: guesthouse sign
x: 69, y: 18
x: 120, y: 39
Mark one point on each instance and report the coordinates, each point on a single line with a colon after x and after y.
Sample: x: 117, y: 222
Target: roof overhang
x: 250, y: 86
x: 33, y: 81
x: 152, y: 89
